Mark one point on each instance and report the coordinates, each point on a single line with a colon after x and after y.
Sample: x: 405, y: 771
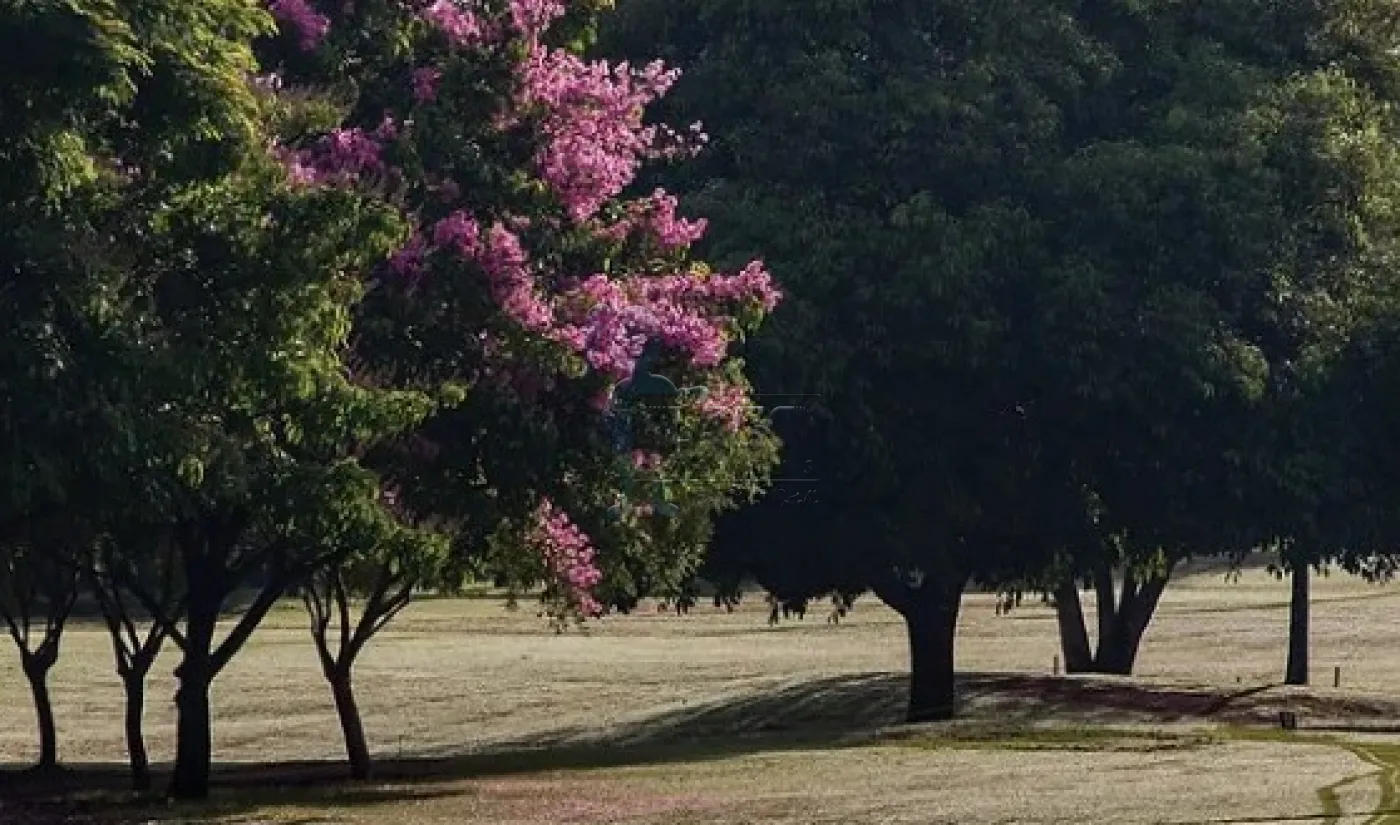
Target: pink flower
x: 655, y: 216
x: 501, y: 257
x: 643, y: 460
x: 310, y: 25
x: 458, y: 231
x: 728, y: 404
x: 409, y: 260
x: 567, y: 556
x: 532, y: 17
x: 607, y: 321
x: 389, y: 128
x: 592, y: 124
x: 462, y: 26
x: 425, y: 84
x: 340, y: 157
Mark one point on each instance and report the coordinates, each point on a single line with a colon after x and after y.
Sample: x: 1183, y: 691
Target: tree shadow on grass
x: 825, y: 713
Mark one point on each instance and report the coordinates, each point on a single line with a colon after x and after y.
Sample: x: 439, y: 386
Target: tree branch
x: 266, y: 600
x: 342, y: 603
x: 395, y: 606
x: 170, y: 623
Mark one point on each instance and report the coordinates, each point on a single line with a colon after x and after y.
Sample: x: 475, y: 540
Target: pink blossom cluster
x: 656, y: 217
x: 310, y: 25
x: 340, y: 157
x: 592, y: 123
x: 728, y: 404
x: 753, y: 281
x: 425, y: 84
x: 568, y: 556
x: 609, y: 321
x: 463, y: 26
x: 500, y: 255
x: 644, y: 460
x: 533, y: 17
x: 605, y: 320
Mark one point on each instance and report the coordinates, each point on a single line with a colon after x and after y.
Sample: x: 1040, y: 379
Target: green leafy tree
x: 354, y: 597
x: 1047, y: 266
x: 262, y: 421
x: 1329, y: 132
x: 529, y: 291
x: 239, y: 291
x: 132, y: 561
x: 72, y: 77
x: 881, y: 158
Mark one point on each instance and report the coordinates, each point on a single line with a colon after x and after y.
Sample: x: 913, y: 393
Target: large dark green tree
x: 1050, y: 266
x: 1328, y: 132
x: 880, y: 155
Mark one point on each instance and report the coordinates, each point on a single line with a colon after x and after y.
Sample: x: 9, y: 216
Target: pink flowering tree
x: 528, y: 287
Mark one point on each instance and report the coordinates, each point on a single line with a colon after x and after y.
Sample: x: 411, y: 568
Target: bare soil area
x: 480, y: 715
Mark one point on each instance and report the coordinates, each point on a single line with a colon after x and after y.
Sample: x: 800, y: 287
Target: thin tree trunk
x: 135, y: 684
x: 932, y: 621
x: 327, y: 599
x: 36, y: 670
x: 1074, y: 636
x: 109, y: 575
x: 351, y: 725
x: 1296, y: 671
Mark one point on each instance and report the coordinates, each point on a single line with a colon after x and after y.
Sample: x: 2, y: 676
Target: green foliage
x: 1061, y: 271
x: 507, y: 438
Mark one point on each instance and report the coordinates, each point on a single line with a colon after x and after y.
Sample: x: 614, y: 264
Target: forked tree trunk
x: 113, y: 581
x: 1123, y: 617
x: 37, y: 660
x: 327, y: 599
x: 36, y: 670
x: 1296, y: 670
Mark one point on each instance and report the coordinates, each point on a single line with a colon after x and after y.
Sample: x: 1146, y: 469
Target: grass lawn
x: 480, y: 716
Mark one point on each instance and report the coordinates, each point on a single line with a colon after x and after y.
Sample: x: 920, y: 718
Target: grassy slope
x: 716, y: 717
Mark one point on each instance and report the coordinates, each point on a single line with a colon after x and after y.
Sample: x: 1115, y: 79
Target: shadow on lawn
x: 825, y: 713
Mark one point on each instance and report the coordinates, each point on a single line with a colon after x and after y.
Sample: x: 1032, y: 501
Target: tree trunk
x: 1074, y: 637
x: 1118, y: 651
x: 193, y: 731
x: 1296, y: 671
x: 36, y: 670
x: 353, y: 728
x: 1105, y: 600
x: 1123, y: 617
x: 932, y: 620
x: 135, y: 684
